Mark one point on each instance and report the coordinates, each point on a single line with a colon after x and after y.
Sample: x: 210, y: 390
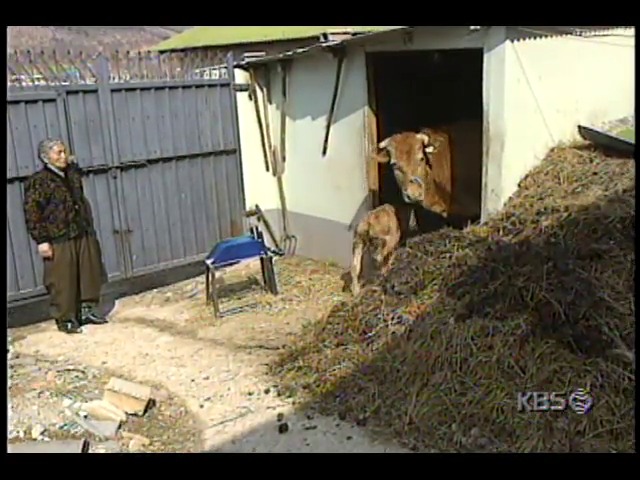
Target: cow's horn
x: 425, y: 138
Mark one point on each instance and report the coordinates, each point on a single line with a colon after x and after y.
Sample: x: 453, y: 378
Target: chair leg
x: 214, y: 294
x: 207, y: 287
x: 271, y: 275
x: 263, y: 269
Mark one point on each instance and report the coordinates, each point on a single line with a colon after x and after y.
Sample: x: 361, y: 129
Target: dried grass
x: 540, y: 298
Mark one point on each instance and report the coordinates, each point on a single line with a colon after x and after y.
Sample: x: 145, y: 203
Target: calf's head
x: 408, y: 153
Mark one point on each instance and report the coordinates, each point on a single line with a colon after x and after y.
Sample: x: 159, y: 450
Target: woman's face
x: 58, y: 156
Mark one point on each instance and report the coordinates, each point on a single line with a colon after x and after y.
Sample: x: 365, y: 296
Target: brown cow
x: 409, y: 154
x: 380, y: 229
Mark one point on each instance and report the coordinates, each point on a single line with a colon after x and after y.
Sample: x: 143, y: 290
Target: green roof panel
x: 223, y: 36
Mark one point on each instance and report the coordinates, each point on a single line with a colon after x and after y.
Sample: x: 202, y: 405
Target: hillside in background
x: 89, y: 39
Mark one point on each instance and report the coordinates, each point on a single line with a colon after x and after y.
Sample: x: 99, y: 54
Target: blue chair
x: 232, y: 251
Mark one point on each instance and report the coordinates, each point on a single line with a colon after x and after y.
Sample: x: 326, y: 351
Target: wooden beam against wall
x: 372, y: 136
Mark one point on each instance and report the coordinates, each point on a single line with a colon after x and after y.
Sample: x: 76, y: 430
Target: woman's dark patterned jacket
x: 55, y: 208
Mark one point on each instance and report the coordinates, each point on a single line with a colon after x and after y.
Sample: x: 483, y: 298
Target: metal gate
x: 160, y: 148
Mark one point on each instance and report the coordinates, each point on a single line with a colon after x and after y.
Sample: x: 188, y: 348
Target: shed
x: 506, y: 94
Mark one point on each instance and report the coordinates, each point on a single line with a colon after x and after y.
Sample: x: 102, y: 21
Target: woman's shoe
x: 69, y: 326
x: 88, y: 315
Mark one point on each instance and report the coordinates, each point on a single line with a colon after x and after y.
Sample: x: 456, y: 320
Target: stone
x: 22, y: 361
x: 130, y: 397
x: 159, y: 394
x: 484, y: 443
x: 101, y: 410
x: 136, y: 442
x: 110, y: 446
x: 55, y: 446
x: 135, y: 436
x: 37, y: 431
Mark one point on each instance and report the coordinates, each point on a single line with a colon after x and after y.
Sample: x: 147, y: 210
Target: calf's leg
x: 356, y: 264
x: 387, y: 252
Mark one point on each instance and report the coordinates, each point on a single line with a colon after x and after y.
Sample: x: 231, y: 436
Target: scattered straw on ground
x: 540, y: 298
x: 303, y: 285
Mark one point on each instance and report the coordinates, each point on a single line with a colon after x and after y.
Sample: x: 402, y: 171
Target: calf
x: 409, y: 154
x: 380, y: 229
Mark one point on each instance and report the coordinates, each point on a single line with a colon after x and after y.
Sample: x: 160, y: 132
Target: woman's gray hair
x: 45, y: 146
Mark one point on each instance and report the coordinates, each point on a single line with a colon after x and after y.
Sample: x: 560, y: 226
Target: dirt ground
x: 215, y: 395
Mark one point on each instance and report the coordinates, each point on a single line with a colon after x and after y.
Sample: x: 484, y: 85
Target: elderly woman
x: 59, y: 219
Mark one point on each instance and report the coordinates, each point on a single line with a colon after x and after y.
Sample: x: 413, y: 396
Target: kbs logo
x: 579, y: 401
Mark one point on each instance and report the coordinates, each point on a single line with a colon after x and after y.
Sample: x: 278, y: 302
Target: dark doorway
x: 436, y: 89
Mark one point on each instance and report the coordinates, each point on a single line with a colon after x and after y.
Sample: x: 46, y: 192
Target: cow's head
x: 408, y: 153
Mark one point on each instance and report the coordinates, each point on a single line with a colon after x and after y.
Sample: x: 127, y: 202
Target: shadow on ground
x: 544, y: 302
x: 36, y: 310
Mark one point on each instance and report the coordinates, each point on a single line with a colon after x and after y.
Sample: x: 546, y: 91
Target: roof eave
x: 326, y: 45
x: 227, y: 46
x: 319, y: 36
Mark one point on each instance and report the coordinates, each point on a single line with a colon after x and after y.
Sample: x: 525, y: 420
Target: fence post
x: 107, y: 117
x: 104, y: 99
x: 236, y: 128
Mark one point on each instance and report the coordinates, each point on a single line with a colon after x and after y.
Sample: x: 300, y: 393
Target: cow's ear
x: 382, y: 156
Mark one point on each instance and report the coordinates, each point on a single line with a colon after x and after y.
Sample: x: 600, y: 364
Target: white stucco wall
x: 259, y: 185
x: 333, y: 186
x: 494, y: 119
x: 553, y: 84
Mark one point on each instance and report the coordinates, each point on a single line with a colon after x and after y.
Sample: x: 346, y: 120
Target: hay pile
x: 540, y: 298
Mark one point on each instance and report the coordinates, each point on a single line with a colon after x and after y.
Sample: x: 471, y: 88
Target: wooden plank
x: 132, y: 398
x: 104, y: 410
x: 372, y: 138
x: 465, y: 139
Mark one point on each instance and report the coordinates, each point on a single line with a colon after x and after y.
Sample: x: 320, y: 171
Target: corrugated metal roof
x: 365, y: 37
x: 199, y: 37
x: 360, y: 38
x: 576, y: 31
